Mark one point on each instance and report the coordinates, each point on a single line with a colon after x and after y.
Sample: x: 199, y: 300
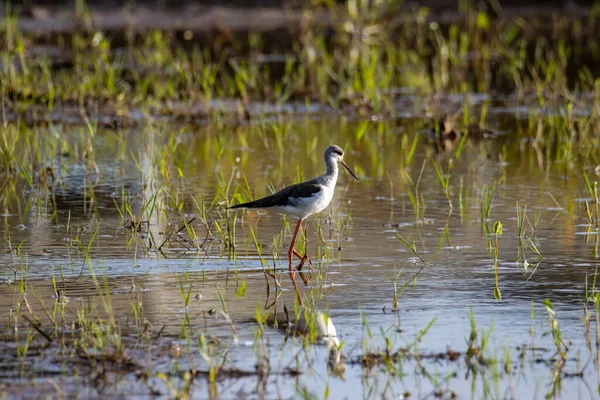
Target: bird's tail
x: 251, y: 204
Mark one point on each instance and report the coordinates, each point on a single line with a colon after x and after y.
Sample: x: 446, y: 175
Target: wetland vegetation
x: 464, y: 264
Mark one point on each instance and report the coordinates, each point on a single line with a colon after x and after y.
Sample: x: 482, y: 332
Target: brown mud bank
x: 279, y: 23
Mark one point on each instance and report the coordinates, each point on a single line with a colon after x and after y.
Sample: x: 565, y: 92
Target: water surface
x: 354, y: 246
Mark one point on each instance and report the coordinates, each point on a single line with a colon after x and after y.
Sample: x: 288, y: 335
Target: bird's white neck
x: 331, y: 175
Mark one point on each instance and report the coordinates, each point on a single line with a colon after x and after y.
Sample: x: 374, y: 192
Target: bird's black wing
x: 282, y: 198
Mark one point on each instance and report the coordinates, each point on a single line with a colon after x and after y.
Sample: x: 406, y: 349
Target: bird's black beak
x: 349, y: 170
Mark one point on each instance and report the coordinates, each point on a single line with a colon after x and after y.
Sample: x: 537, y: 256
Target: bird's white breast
x: 305, y: 206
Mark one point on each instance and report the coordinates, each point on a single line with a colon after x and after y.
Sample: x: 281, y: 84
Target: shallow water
x: 362, y: 257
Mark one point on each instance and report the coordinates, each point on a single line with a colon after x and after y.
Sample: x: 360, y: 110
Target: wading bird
x: 304, y: 199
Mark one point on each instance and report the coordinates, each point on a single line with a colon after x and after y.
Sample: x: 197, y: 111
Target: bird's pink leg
x: 293, y: 251
x: 303, y: 259
x: 290, y: 255
x: 297, y: 254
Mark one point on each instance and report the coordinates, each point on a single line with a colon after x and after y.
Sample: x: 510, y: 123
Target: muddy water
x: 361, y: 260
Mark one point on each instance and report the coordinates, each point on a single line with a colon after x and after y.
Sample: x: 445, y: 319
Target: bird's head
x: 336, y: 153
